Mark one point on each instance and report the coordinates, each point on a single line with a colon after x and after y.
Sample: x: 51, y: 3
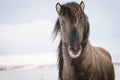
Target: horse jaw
x: 71, y: 53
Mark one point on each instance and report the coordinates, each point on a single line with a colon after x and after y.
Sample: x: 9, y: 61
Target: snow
x: 33, y: 67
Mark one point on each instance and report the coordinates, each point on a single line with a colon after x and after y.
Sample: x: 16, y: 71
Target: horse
x: 77, y: 58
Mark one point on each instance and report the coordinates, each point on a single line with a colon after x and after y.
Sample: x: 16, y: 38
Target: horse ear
x: 82, y: 6
x: 58, y: 8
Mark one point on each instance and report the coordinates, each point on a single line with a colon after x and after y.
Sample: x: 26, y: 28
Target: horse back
x: 103, y: 52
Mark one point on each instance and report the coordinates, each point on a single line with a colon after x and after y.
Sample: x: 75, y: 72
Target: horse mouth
x: 74, y: 53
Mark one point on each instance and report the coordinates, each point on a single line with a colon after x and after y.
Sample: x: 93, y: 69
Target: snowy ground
x: 40, y: 73
x: 33, y: 67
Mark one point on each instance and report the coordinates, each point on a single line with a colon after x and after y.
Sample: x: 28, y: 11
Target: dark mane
x: 60, y: 60
x: 71, y: 11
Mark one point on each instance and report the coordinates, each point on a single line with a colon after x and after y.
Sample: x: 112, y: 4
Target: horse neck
x: 87, y: 50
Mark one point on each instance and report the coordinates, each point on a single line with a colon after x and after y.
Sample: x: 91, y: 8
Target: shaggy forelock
x: 71, y: 11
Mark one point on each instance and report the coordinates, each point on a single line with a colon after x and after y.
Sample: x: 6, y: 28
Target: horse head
x: 73, y: 26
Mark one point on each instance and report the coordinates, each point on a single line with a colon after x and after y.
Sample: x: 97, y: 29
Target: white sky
x: 26, y: 25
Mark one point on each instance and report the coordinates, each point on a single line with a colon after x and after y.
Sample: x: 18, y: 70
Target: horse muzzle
x: 74, y: 52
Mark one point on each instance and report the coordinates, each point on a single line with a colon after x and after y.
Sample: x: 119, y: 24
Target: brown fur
x: 94, y: 63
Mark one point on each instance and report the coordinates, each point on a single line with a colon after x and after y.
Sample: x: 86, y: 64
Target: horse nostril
x: 74, y: 48
x: 71, y: 48
x: 77, y: 48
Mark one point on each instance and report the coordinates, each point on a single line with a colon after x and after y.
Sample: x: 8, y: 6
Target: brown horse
x: 77, y: 58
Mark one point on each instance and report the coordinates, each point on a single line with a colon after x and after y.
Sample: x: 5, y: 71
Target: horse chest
x: 68, y: 73
x: 82, y: 71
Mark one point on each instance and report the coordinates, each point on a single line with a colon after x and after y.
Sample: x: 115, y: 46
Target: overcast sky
x: 26, y: 25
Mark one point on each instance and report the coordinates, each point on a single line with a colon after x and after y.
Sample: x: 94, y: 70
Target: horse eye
x: 62, y: 23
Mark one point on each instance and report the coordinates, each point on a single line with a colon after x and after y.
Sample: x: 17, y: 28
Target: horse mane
x: 73, y: 12
x: 60, y: 60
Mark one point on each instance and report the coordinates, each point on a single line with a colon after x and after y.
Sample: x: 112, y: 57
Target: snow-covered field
x: 33, y: 67
x: 40, y: 73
